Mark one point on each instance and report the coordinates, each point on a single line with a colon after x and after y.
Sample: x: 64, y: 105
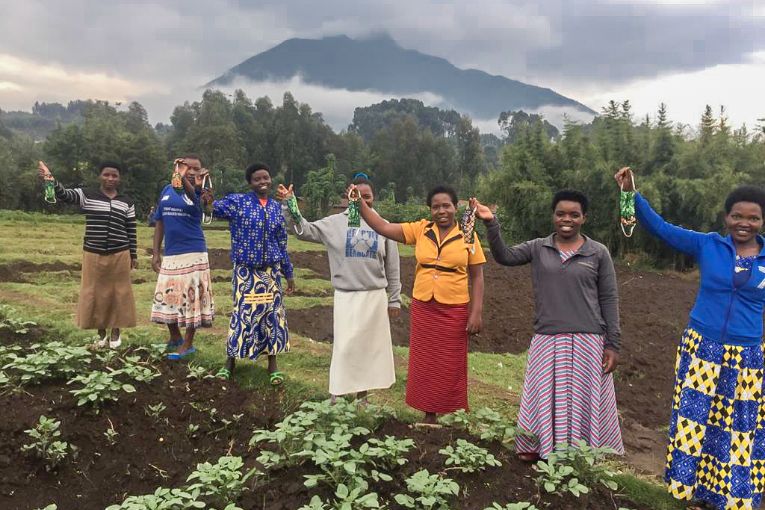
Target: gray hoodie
x: 578, y: 296
x: 359, y: 258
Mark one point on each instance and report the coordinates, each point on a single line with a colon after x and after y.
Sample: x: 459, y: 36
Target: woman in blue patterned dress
x: 259, y: 253
x: 716, y: 455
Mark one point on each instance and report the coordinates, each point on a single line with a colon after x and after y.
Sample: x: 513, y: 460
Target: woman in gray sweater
x: 364, y: 267
x: 568, y: 389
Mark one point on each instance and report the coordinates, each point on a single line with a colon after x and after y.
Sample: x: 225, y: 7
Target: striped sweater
x: 109, y: 223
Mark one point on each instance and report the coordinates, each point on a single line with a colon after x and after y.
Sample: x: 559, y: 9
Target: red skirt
x: 438, y: 346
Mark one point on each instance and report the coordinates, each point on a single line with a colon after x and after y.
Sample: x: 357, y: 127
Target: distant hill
x: 380, y: 64
x: 44, y: 118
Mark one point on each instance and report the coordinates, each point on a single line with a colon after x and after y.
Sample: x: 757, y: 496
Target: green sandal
x: 276, y: 378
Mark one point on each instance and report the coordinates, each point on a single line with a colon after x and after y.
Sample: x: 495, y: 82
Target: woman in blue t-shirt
x: 183, y: 296
x: 716, y: 451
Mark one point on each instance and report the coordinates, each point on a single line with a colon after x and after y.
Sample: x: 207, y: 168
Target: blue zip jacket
x: 722, y: 313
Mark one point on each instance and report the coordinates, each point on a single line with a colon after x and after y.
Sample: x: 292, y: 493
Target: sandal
x: 175, y: 356
x: 172, y: 344
x: 276, y: 378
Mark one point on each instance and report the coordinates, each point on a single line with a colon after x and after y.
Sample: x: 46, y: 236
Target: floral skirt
x: 183, y: 295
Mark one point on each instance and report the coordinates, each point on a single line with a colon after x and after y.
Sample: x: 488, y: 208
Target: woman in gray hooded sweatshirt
x: 365, y: 275
x: 568, y: 388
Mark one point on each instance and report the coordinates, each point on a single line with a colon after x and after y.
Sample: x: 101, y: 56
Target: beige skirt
x: 106, y: 292
x: 362, y: 352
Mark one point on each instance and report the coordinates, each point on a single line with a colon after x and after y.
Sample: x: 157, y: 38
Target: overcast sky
x: 682, y: 52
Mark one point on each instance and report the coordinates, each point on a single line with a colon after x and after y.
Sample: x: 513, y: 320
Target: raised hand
x: 284, y: 193
x: 481, y: 210
x: 625, y: 179
x: 179, y: 165
x: 43, y: 172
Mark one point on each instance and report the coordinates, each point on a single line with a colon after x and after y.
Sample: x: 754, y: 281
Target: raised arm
x: 73, y: 196
x: 225, y: 208
x: 376, y: 222
x: 507, y: 256
x: 683, y: 240
x: 312, y: 231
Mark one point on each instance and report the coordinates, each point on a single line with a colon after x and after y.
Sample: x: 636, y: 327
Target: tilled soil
x: 150, y: 452
x: 654, y: 310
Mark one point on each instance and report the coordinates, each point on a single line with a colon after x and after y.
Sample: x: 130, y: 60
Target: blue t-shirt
x: 182, y: 218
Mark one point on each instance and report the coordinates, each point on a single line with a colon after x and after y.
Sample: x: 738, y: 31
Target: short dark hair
x: 362, y: 178
x: 441, y: 189
x: 109, y: 164
x: 753, y: 194
x: 254, y: 168
x: 571, y: 195
x: 193, y: 156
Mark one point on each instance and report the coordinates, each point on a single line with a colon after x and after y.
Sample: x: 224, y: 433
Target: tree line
x: 406, y: 147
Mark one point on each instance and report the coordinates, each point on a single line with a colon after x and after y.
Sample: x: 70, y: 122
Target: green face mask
x: 627, y: 212
x: 354, y: 209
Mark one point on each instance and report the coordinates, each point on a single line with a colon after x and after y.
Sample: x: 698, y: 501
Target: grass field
x: 49, y: 297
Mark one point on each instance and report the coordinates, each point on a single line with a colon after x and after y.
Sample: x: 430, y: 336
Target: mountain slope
x: 380, y: 64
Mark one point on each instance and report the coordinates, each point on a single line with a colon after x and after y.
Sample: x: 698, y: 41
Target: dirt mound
x: 15, y: 271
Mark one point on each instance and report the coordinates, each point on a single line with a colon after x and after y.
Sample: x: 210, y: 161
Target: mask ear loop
x: 207, y: 216
x: 627, y: 208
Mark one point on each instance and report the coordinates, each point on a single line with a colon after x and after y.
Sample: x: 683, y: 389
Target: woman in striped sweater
x: 109, y: 253
x: 568, y: 389
x: 444, y: 310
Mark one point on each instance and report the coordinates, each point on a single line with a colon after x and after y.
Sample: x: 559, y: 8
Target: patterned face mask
x: 467, y: 224
x: 49, y: 192
x: 354, y: 208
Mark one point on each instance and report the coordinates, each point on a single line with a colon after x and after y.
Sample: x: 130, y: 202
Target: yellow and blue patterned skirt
x: 717, y: 431
x: 258, y: 321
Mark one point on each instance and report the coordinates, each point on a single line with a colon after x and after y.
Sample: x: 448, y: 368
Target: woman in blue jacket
x: 716, y: 451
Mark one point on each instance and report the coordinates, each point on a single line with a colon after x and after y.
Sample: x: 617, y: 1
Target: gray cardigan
x: 578, y: 296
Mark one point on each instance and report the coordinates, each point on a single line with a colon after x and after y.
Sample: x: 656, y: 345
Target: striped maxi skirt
x: 716, y: 447
x: 259, y: 320
x: 566, y: 397
x: 438, y: 346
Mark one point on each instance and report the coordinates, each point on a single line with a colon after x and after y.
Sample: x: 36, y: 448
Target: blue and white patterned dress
x: 259, y: 253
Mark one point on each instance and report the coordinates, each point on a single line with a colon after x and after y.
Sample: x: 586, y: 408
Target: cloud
x: 738, y: 87
x: 335, y: 105
x: 23, y: 81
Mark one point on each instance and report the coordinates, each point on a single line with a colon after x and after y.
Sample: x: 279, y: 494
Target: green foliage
x: 155, y: 411
x: 346, y: 498
x: 45, y: 361
x: 111, y: 434
x: 512, y: 506
x: 162, y: 499
x: 576, y: 469
x: 428, y: 492
x: 484, y: 423
x: 99, y: 387
x: 223, y: 481
x: 321, y: 187
x: 685, y: 179
x: 45, y: 443
x: 467, y: 457
x: 16, y: 326
x: 312, y: 425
